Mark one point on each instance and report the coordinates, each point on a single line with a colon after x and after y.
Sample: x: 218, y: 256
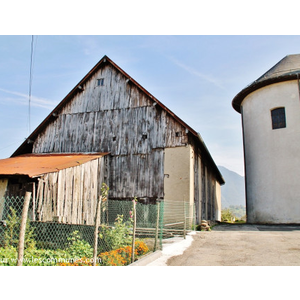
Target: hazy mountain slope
x: 233, y: 191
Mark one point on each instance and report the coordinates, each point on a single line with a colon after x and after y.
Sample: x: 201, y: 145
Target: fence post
x: 133, y: 230
x: 103, y: 198
x: 184, y: 215
x: 23, y: 228
x: 194, y: 217
x: 33, y: 201
x: 97, y: 221
x: 161, y: 222
x: 157, y: 225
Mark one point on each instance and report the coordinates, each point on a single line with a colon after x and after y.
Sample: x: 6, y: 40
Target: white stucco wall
x: 178, y: 169
x: 218, y: 202
x: 272, y: 156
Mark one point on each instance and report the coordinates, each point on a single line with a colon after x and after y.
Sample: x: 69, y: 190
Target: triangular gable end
x: 26, y: 147
x: 94, y: 79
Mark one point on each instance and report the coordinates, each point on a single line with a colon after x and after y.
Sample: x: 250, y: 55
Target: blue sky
x: 196, y: 76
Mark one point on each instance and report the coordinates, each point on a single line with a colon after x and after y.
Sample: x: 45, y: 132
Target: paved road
x: 243, y: 245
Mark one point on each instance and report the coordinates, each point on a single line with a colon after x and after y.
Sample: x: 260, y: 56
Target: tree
x: 227, y: 215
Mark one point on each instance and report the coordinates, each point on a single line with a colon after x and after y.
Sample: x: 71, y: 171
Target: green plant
x: 240, y: 221
x: 8, y: 256
x: 12, y: 232
x: 78, y: 247
x: 45, y: 257
x: 141, y: 248
x: 122, y: 256
x: 117, y: 236
x: 227, y: 215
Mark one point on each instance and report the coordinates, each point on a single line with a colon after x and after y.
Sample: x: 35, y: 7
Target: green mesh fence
x: 58, y: 243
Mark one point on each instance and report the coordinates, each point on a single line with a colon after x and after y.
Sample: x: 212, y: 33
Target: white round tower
x: 270, y: 110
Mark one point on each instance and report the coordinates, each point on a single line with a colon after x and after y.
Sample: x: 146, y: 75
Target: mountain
x: 233, y: 191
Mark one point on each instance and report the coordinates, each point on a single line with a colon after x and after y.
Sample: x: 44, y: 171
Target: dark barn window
x: 278, y: 118
x: 100, y: 82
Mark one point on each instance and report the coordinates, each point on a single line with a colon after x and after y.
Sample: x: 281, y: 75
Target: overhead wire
x: 33, y: 45
x: 30, y: 80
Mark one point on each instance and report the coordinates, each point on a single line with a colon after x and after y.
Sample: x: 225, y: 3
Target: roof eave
x: 238, y: 99
x: 218, y: 173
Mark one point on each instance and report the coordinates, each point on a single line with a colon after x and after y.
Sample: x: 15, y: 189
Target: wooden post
x: 33, y: 201
x: 194, y: 217
x: 184, y: 215
x: 23, y: 228
x: 157, y: 226
x: 133, y: 231
x: 97, y: 223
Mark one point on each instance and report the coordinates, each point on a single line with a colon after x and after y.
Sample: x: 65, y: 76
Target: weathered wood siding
x: 121, y: 119
x: 207, y: 193
x: 120, y: 132
x: 205, y: 196
x: 70, y: 195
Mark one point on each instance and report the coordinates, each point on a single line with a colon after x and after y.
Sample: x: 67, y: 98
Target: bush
x: 78, y: 247
x: 12, y: 232
x: 45, y: 257
x: 8, y: 256
x: 117, y: 236
x: 140, y: 248
x: 117, y: 257
x: 227, y: 215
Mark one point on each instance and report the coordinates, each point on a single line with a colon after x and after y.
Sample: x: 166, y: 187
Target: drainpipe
x: 245, y: 166
x: 298, y: 85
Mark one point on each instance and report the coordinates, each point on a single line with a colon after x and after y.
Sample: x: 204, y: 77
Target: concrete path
x: 173, y: 247
x: 237, y: 245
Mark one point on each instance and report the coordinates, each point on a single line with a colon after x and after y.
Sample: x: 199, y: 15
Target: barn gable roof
x: 286, y: 69
x: 26, y: 146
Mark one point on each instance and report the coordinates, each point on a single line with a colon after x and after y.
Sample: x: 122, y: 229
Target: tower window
x: 278, y: 118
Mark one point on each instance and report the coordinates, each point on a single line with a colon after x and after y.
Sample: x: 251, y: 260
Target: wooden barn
x: 110, y: 129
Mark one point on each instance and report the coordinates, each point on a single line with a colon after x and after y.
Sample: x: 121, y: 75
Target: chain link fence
x: 179, y: 217
x: 126, y: 231
x: 58, y: 243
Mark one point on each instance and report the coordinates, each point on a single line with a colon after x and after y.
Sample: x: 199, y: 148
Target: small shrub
x: 45, y: 257
x: 8, y: 256
x: 12, y: 231
x: 117, y: 236
x: 227, y: 215
x: 78, y: 247
x: 141, y: 248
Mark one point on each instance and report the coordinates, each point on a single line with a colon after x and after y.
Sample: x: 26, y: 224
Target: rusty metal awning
x: 34, y: 165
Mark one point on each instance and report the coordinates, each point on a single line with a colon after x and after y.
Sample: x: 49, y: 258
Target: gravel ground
x: 238, y: 245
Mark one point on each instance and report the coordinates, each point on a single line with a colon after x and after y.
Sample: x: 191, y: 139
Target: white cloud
x: 197, y: 73
x: 23, y: 99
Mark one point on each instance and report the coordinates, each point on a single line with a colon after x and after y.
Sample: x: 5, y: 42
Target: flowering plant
x: 122, y: 256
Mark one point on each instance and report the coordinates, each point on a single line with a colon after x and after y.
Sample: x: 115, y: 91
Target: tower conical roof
x: 286, y: 69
